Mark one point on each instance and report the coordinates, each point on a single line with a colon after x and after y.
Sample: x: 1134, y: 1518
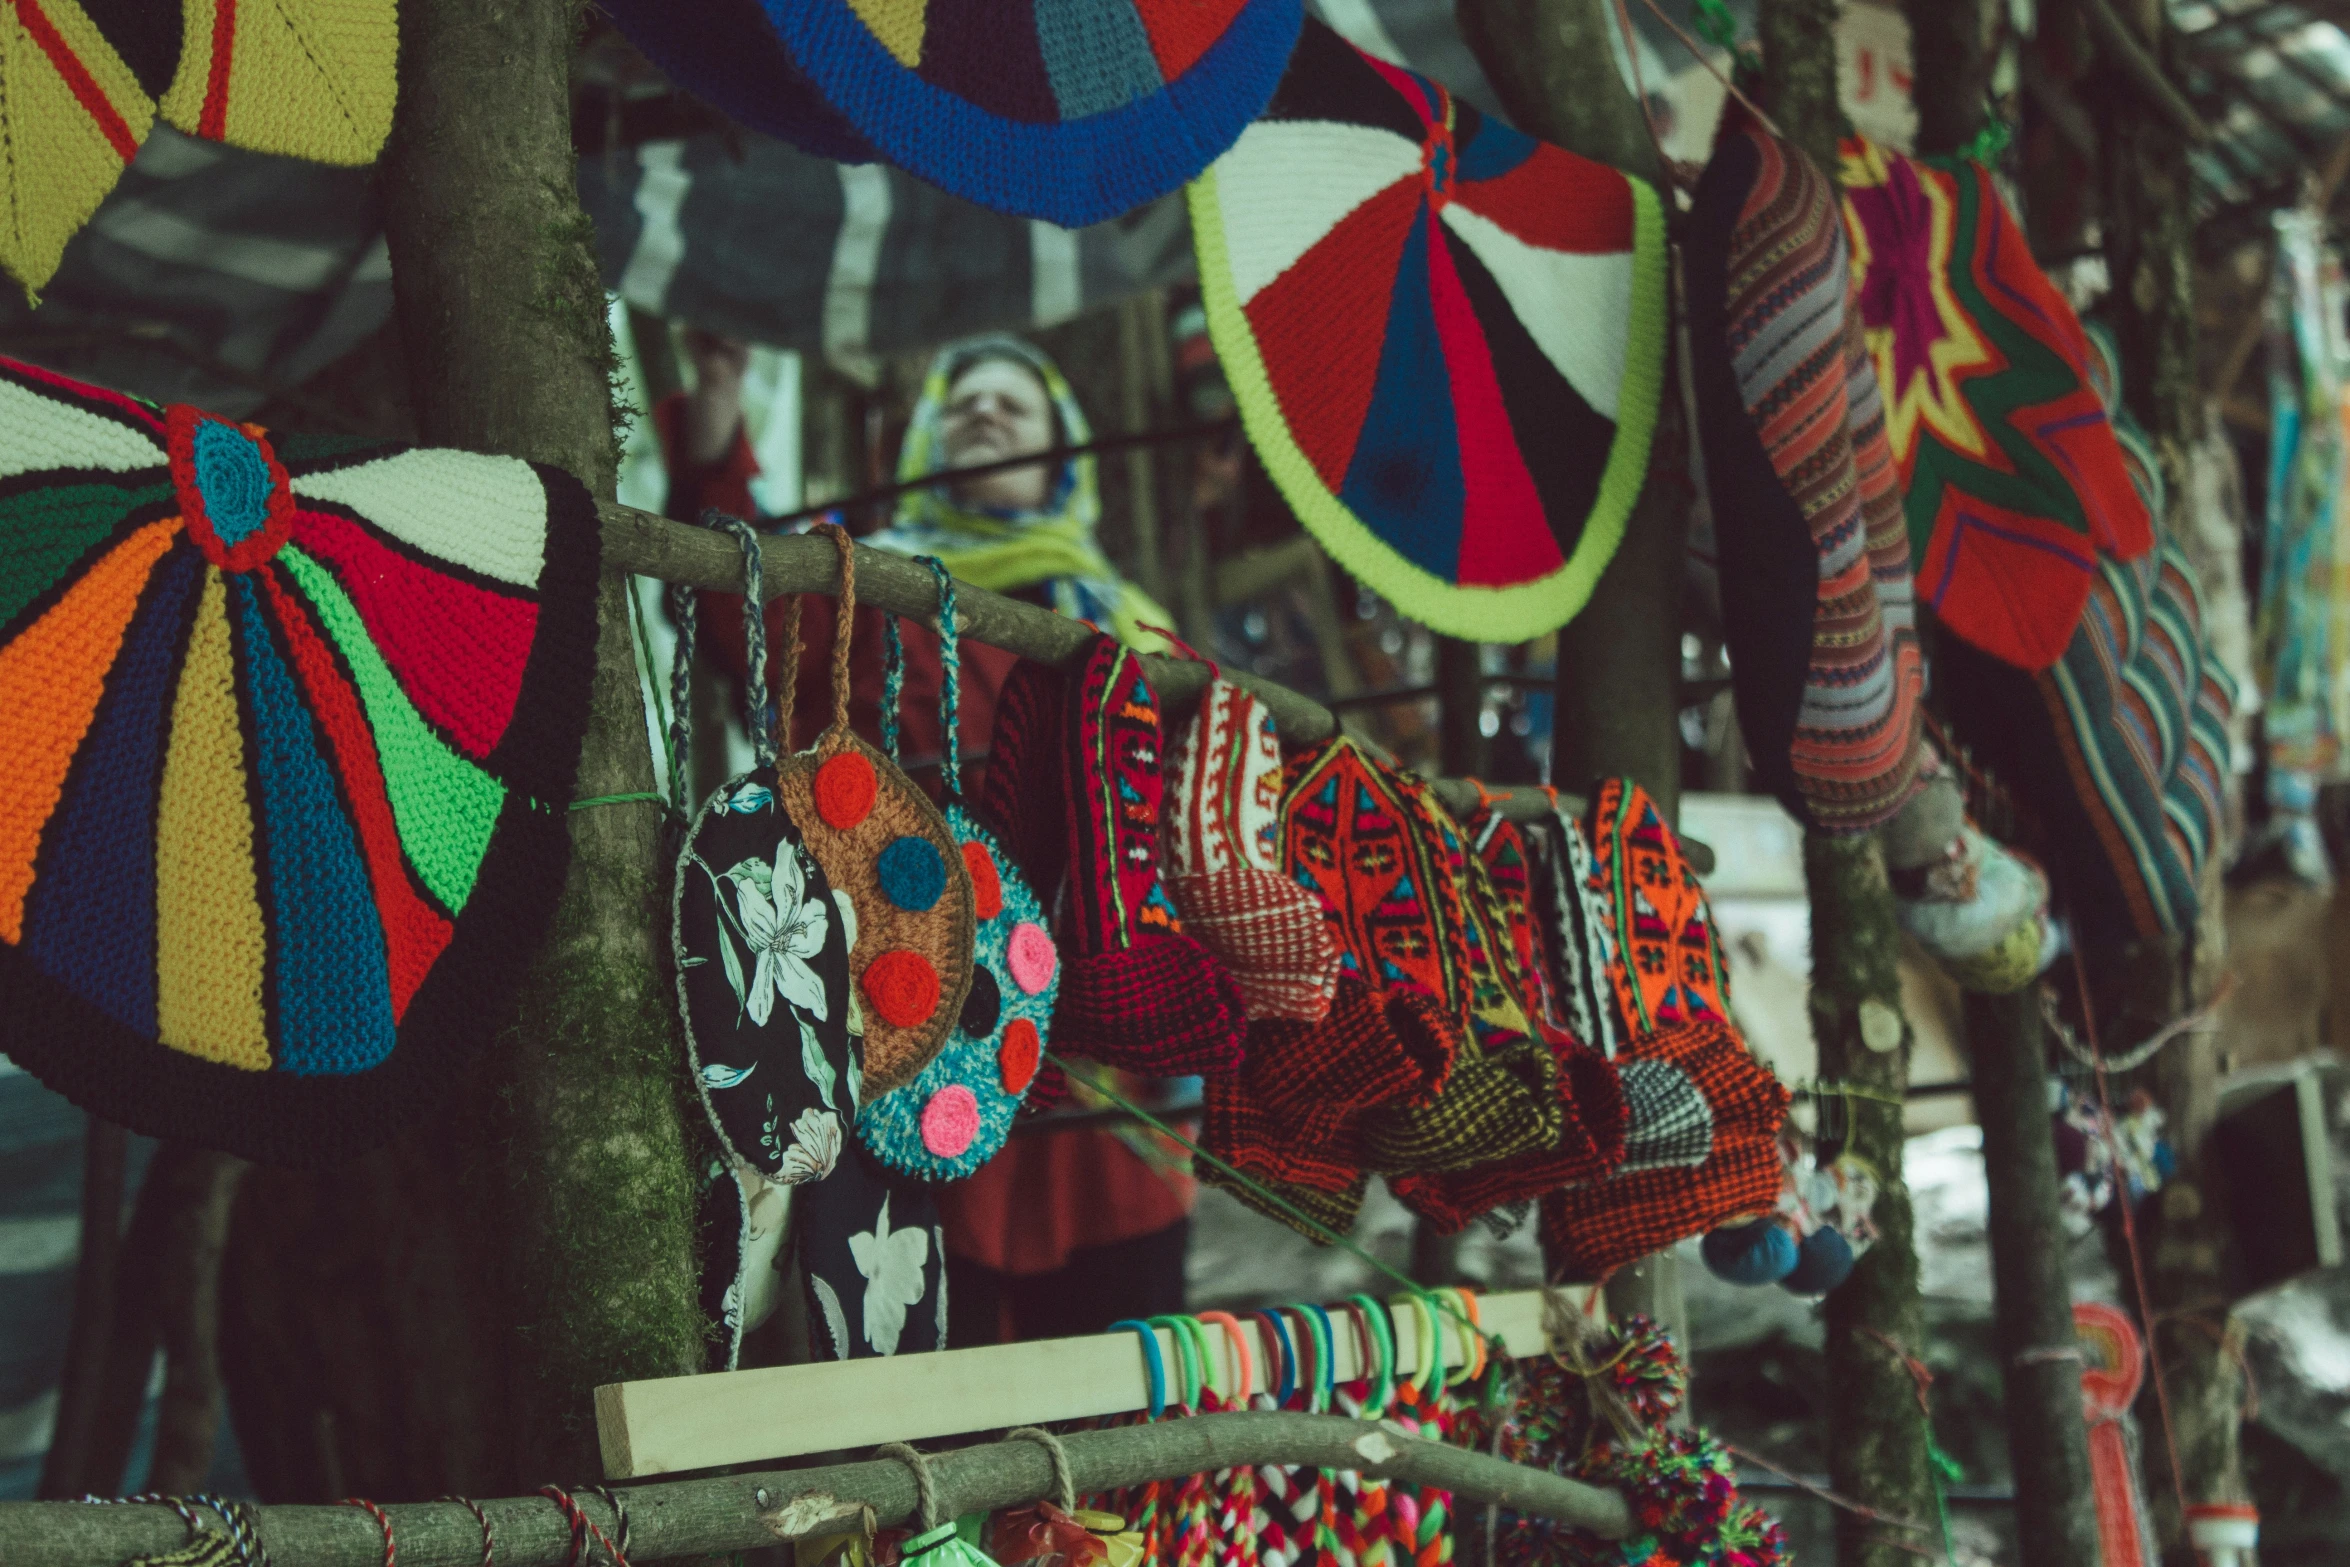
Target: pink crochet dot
x: 1030, y: 957
x: 950, y: 1121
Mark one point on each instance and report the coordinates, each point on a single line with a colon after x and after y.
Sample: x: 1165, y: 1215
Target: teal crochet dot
x: 233, y: 478
x: 912, y: 874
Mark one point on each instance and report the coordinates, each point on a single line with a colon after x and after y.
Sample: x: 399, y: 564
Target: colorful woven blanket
x: 2013, y: 481
x: 1447, y: 339
x: 1814, y: 554
x: 287, y: 731
x: 85, y: 81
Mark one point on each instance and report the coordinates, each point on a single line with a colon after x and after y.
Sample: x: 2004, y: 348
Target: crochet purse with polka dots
x: 761, y: 938
x: 883, y: 844
x: 958, y: 1110
x: 287, y: 732
x: 87, y: 81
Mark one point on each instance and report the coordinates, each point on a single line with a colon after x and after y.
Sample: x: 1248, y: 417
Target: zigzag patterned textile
x: 85, y: 82
x: 1814, y: 551
x: 1446, y: 339
x: 2013, y: 482
x: 286, y: 728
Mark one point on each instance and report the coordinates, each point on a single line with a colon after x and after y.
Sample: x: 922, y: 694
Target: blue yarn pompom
x: 912, y: 875
x: 1757, y: 1253
x: 1823, y: 1262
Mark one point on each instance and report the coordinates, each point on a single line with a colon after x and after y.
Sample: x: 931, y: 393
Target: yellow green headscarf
x: 1004, y: 550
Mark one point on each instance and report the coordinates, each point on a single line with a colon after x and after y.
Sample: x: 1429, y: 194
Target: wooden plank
x: 673, y: 1424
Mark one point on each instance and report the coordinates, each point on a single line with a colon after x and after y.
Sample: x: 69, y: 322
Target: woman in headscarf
x: 1062, y: 1232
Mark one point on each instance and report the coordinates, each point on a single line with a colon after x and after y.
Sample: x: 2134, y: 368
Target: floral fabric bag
x: 873, y: 1259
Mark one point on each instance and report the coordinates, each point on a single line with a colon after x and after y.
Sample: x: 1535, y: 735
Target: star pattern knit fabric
x: 1136, y: 990
x: 1446, y: 339
x: 86, y: 83
x: 287, y: 726
x: 1671, y: 968
x: 2012, y: 480
x: 1812, y: 546
x: 1222, y: 830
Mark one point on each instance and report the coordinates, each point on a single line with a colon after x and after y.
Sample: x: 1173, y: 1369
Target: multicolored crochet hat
x: 2012, y: 480
x: 873, y: 1258
x: 1671, y: 968
x: 761, y: 941
x: 1137, y: 991
x: 885, y: 847
x: 1223, y: 832
x: 958, y: 1110
x: 2121, y: 747
x: 287, y: 733
x: 1446, y: 339
x: 87, y: 80
x: 1812, y: 546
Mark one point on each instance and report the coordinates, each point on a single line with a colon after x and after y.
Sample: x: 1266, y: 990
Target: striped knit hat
x: 1223, y: 867
x: 1813, y: 549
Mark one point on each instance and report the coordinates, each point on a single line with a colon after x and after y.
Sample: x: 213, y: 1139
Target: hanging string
x: 684, y: 603
x: 383, y: 1521
x: 2202, y: 1020
x: 1064, y: 1482
x: 925, y: 1488
x: 583, y: 1528
x: 489, y: 1541
x: 2170, y: 1435
x: 950, y: 663
x: 1939, y: 1465
x: 619, y: 1508
x: 1701, y: 57
x: 1857, y: 1509
x: 243, y: 1526
x: 1640, y: 86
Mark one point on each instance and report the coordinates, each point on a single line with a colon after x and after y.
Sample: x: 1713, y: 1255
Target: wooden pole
x: 509, y: 350
x: 2032, y: 1299
x: 65, y: 1467
x: 739, y: 1512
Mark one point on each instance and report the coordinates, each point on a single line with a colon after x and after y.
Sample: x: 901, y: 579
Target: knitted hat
x: 761, y: 941
x: 1223, y: 864
x: 958, y: 1110
x: 1697, y: 1177
x: 1136, y: 992
x: 287, y: 735
x: 1446, y: 339
x: 883, y: 844
x: 1579, y: 931
x: 2012, y: 481
x: 1593, y: 1129
x: 1313, y: 1165
x: 1509, y: 874
x: 1671, y: 969
x: 1813, y: 552
x: 87, y: 81
x: 873, y: 1258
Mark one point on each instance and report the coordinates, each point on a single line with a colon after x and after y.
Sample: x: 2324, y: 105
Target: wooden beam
x: 670, y: 1425
x: 2140, y: 69
x: 740, y: 1512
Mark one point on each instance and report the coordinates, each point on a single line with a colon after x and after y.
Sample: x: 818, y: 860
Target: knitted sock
x: 1161, y: 1007
x: 1372, y: 1050
x: 1500, y: 1101
x: 1590, y: 1144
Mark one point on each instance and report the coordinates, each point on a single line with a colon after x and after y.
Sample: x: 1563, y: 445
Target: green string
x: 1943, y: 1470
x: 621, y: 799
x: 1321, y: 1232
x: 1716, y: 25
x: 1989, y: 143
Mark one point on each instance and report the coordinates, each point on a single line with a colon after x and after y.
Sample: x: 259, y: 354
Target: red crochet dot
x: 987, y: 889
x: 903, y: 988
x: 844, y: 791
x: 1018, y: 1054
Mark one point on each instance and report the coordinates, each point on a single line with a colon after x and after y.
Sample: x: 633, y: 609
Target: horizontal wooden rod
x: 659, y: 547
x: 682, y: 1518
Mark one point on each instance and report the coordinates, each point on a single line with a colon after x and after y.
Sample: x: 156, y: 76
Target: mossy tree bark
x: 1949, y: 48
x: 1553, y: 63
x: 2148, y: 232
x: 509, y: 351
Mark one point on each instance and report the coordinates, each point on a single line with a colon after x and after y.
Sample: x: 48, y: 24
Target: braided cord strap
x: 950, y: 659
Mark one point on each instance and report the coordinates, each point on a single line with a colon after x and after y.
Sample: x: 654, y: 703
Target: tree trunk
x: 1952, y: 71
x: 509, y: 351
x: 65, y: 1468
x: 2040, y: 1365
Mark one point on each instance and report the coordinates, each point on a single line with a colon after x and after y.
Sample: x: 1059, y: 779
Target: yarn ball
x: 983, y: 1006
x: 1751, y: 1254
x: 1822, y: 1262
x: 911, y: 873
x: 844, y: 790
x: 1022, y: 1049
x: 950, y: 1120
x: 1031, y: 957
x: 902, y: 988
x: 987, y: 887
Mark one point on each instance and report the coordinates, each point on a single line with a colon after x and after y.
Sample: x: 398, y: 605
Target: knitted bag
x: 287, y: 730
x: 2120, y: 748
x: 1671, y: 968
x: 1136, y: 992
x: 86, y: 81
x: 1446, y: 339
x: 1223, y: 865
x: 958, y: 1110
x: 873, y: 1257
x: 1074, y: 111
x: 1813, y: 552
x: 885, y: 847
x: 761, y: 940
x: 2012, y: 480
